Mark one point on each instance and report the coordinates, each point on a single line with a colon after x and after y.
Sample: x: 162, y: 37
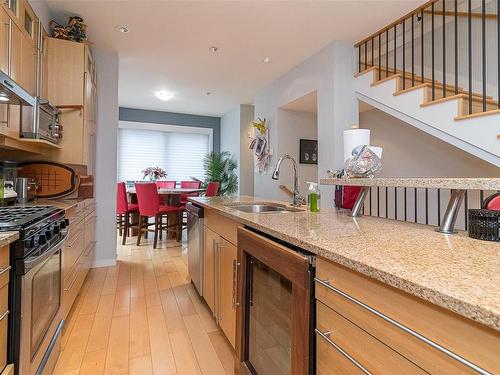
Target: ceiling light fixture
x: 209, y: 93
x: 122, y: 29
x: 214, y: 49
x: 164, y: 95
x: 267, y: 60
x: 4, y: 98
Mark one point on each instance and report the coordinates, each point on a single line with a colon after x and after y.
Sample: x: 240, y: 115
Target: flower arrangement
x: 154, y: 173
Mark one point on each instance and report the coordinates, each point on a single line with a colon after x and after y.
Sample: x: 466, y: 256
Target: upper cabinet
x: 4, y: 40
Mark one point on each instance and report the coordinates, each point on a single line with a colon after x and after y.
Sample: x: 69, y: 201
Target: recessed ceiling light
x: 267, y: 60
x: 213, y: 49
x: 209, y: 93
x: 164, y: 95
x: 4, y: 98
x: 122, y: 29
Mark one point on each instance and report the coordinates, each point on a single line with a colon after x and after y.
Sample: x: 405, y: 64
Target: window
x: 179, y: 151
x: 28, y: 24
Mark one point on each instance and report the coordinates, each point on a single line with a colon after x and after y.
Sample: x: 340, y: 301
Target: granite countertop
x: 452, y: 271
x: 8, y: 237
x: 65, y: 204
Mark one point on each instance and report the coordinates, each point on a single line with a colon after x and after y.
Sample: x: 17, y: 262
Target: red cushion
x: 133, y: 207
x: 169, y: 209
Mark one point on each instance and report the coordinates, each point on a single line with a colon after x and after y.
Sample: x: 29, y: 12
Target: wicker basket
x: 484, y: 224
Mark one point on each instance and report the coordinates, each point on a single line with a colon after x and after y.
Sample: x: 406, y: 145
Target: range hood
x: 12, y: 93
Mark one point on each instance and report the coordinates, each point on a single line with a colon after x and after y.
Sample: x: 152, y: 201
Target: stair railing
x: 440, y: 42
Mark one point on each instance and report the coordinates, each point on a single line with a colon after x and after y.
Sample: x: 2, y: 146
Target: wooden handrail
x: 397, y: 22
x: 461, y: 14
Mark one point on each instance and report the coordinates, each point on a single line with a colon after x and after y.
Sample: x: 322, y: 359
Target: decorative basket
x: 484, y: 224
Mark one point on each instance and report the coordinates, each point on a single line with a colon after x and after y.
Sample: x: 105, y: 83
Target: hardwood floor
x: 143, y: 316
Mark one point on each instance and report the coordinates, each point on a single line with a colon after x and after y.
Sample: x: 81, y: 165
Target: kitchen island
x: 407, y: 264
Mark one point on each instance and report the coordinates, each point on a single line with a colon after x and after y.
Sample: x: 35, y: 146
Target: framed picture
x: 308, y: 151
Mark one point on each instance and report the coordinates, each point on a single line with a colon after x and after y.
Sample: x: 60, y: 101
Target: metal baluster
x: 359, y: 59
x: 469, y: 21
x: 412, y: 50
x: 366, y: 56
x: 379, y: 58
x: 456, y: 47
x: 422, y: 43
x: 483, y: 26
x: 404, y: 60
x: 444, y: 48
x: 372, y: 53
x: 387, y: 52
x: 395, y: 48
x: 432, y: 53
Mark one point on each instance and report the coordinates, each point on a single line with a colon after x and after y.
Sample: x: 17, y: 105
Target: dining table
x: 173, y: 198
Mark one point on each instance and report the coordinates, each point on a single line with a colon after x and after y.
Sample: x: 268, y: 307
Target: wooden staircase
x: 406, y: 83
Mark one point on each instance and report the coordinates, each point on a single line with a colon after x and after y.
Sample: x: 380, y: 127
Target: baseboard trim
x: 103, y: 263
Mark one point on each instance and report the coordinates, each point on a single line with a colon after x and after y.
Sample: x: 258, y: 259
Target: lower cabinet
x: 79, y: 250
x: 4, y: 307
x: 364, y: 325
x: 220, y: 270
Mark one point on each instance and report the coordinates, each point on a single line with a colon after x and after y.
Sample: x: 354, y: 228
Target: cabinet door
x: 209, y: 265
x: 227, y: 289
x: 16, y: 53
x: 44, y: 71
x: 28, y: 64
x: 4, y: 41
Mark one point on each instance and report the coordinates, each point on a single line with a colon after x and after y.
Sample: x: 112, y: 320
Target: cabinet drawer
x: 4, y: 265
x: 73, y: 284
x: 330, y: 361
x: 90, y: 227
x: 369, y: 352
x: 394, y: 317
x: 4, y: 315
x: 73, y: 249
x: 223, y: 226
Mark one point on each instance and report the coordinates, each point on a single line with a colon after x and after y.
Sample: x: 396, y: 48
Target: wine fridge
x: 275, y: 307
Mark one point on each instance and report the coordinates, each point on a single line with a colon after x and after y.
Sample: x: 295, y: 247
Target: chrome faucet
x: 297, y: 198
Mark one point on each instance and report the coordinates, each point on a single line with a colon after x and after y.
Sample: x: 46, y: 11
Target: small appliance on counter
x: 26, y: 189
x: 8, y: 176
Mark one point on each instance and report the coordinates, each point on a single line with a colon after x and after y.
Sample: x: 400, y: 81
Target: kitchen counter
x: 8, y: 237
x: 452, y: 271
x: 65, y: 204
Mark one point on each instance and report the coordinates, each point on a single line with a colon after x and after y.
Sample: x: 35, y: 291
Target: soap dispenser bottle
x: 313, y: 197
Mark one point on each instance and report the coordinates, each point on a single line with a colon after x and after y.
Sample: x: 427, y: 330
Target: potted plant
x: 221, y: 167
x: 154, y: 173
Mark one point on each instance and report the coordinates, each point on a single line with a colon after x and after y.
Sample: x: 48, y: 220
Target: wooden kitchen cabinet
x: 4, y: 41
x: 354, y: 297
x: 4, y: 303
x: 220, y: 272
x: 73, y: 89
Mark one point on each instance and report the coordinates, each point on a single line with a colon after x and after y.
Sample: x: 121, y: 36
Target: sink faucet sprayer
x: 297, y: 198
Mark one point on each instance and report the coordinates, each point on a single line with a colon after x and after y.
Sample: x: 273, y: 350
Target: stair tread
x: 478, y: 114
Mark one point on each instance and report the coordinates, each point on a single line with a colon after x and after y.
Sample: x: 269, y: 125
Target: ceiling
x: 168, y: 43
x: 307, y: 103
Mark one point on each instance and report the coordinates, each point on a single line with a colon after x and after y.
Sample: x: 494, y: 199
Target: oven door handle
x: 30, y: 263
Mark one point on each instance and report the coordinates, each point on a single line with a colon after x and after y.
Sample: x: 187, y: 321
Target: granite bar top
x: 455, y: 272
x: 419, y: 182
x: 8, y: 237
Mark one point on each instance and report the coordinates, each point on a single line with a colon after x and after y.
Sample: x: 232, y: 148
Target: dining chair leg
x: 161, y: 227
x: 120, y: 229
x: 126, y: 228
x: 139, y: 230
x: 155, y: 242
x: 179, y: 227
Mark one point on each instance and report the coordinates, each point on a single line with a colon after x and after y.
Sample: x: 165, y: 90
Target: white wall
x: 330, y: 73
x: 106, y: 151
x: 410, y: 152
x: 294, y: 126
x: 235, y: 126
x: 41, y: 8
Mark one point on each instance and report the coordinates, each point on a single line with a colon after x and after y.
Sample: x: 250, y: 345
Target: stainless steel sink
x: 258, y: 208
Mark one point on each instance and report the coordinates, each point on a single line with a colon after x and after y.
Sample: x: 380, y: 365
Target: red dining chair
x: 149, y: 206
x: 189, y: 185
x: 165, y: 185
x: 212, y: 189
x: 123, y: 211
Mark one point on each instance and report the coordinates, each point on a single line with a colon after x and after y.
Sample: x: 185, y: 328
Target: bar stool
x: 123, y: 211
x: 212, y: 189
x: 149, y: 206
x: 165, y: 185
x: 189, y: 185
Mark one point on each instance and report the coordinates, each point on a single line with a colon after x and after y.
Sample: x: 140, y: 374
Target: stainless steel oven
x: 40, y: 284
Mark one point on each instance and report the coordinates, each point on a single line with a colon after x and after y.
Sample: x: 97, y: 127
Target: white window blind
x: 179, y: 154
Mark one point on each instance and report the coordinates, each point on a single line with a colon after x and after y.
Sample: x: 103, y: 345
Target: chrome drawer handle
x: 4, y: 315
x: 3, y: 270
x: 463, y: 361
x: 326, y: 337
